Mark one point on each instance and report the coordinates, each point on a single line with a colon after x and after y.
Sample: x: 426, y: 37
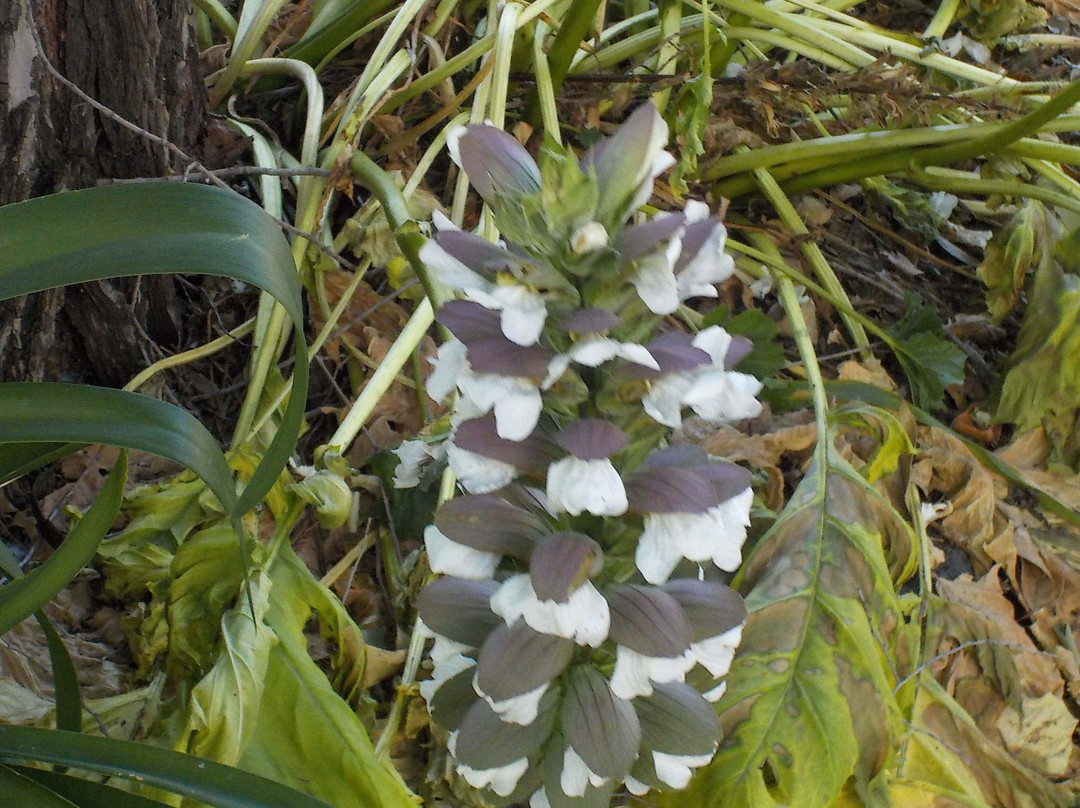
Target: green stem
x: 383, y: 377
x: 793, y: 311
x: 965, y: 183
x: 575, y: 25
x: 251, y: 36
x: 943, y: 18
x: 671, y: 14
x: 545, y: 90
x: 994, y: 142
x: 811, y: 252
x: 406, y: 231
x: 218, y: 15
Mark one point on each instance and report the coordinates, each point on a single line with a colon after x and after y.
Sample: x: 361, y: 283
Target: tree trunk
x: 138, y: 59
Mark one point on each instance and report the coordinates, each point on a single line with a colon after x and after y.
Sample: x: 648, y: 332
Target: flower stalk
x: 581, y: 627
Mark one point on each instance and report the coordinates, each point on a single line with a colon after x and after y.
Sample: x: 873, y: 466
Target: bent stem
x: 811, y: 252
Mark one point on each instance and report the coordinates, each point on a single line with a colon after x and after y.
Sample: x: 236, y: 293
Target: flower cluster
x: 579, y: 628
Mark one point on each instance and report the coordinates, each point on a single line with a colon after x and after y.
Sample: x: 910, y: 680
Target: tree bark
x: 138, y: 59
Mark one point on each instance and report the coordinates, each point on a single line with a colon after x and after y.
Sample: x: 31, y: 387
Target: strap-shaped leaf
x: 16, y: 459
x: 24, y: 596
x: 86, y: 793
x: 22, y: 790
x: 153, y: 229
x: 182, y: 774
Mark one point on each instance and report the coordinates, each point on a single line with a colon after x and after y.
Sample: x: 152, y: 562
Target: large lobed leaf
x: 808, y: 710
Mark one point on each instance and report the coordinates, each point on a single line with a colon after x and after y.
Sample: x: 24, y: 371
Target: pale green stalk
x: 500, y: 71
x: 814, y: 32
x: 431, y: 154
x: 383, y: 377
x: 784, y: 42
x: 810, y: 250
x: 460, y: 61
x: 404, y: 18
x: 943, y: 18
x: 328, y: 329
x: 309, y: 149
x: 250, y: 30
x: 1054, y: 174
x: 667, y: 54
x: 272, y: 339
x: 208, y: 349
x: 914, y: 53
x: 219, y: 16
x: 545, y: 90
x: 793, y: 311
x: 963, y: 182
x: 375, y: 24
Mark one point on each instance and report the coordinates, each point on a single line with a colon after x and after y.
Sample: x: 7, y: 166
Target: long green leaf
x: 86, y: 793
x: 20, y: 790
x: 153, y: 229
x: 24, y: 596
x: 188, y: 776
x: 79, y: 412
x: 16, y: 459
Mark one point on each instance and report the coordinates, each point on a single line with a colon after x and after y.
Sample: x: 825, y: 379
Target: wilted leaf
x: 692, y: 112
x: 1026, y: 239
x: 1042, y: 386
x: 947, y: 748
x: 809, y: 691
x: 306, y: 735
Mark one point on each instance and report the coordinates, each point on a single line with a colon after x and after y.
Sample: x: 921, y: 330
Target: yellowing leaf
x: 307, y: 736
x: 808, y: 706
x: 946, y: 747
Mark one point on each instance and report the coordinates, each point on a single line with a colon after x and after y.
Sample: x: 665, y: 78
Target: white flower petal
x: 523, y: 313
x: 516, y: 401
x: 635, y: 787
x: 714, y: 341
x: 695, y: 211
x: 521, y: 709
x: 539, y: 799
x: 663, y: 402
x: 451, y: 272
x: 710, y: 266
x: 676, y: 770
x: 502, y: 780
x: 722, y: 397
x: 634, y: 673
x: 450, y: 365
x: 594, y: 351
x: 411, y: 455
x: 556, y: 368
x: 588, y: 237
x: 654, y: 280
x: 448, y: 557
x: 733, y: 518
x: 584, y: 617
x: 576, y: 775
x: 448, y: 661
x: 716, y: 653
x: 479, y: 474
x: 656, y: 557
x: 717, y: 693
x: 575, y: 485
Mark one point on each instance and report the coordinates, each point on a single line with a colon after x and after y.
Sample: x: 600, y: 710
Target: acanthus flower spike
x: 581, y: 601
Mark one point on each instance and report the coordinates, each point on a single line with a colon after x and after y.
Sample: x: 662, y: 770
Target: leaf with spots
x: 808, y: 710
